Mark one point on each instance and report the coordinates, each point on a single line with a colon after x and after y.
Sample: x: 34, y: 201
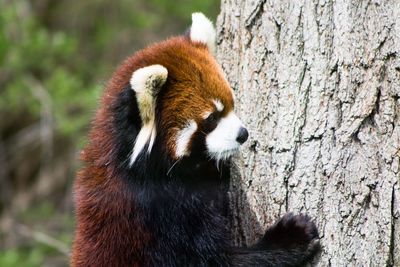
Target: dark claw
x: 293, y: 233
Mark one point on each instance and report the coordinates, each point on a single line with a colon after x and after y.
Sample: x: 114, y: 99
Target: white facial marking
x: 183, y: 138
x: 221, y: 142
x: 218, y: 104
x: 202, y: 30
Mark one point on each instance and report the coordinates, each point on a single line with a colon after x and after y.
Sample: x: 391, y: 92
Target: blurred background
x: 55, y: 58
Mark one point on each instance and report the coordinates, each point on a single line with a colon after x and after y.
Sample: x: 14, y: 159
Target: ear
x: 202, y: 30
x: 147, y: 82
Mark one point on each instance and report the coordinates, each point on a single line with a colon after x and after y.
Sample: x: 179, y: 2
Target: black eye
x: 212, y: 118
x: 211, y: 122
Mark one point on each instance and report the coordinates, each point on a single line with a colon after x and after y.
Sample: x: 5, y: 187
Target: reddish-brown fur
x: 100, y: 195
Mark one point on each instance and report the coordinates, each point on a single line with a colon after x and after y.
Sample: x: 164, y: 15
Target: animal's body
x: 151, y: 192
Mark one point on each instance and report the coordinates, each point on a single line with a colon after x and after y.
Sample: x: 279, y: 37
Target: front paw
x: 293, y: 233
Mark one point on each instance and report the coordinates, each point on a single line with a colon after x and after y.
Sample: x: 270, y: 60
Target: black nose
x: 243, y: 135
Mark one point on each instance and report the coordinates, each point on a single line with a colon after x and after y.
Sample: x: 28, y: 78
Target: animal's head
x: 185, y: 103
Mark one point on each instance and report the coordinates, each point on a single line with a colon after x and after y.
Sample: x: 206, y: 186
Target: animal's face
x: 197, y: 109
x: 186, y: 101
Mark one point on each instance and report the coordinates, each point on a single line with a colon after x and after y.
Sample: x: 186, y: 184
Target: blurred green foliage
x: 55, y: 57
x: 21, y: 257
x: 67, y: 49
x: 38, y: 69
x: 30, y: 256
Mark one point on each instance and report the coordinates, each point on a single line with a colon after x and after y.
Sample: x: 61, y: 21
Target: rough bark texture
x: 318, y: 86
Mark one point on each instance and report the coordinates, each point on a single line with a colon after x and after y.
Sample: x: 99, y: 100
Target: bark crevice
x: 317, y: 86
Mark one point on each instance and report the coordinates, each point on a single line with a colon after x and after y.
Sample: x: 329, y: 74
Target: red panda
x: 150, y: 192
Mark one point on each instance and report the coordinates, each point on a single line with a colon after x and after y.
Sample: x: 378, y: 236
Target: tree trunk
x: 318, y: 85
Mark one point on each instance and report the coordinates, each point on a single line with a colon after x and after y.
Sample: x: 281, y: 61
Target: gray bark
x: 318, y: 85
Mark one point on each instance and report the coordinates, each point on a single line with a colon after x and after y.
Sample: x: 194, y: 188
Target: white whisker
x: 173, y: 165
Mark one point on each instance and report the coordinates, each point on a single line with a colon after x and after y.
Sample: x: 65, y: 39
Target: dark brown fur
x: 98, y: 192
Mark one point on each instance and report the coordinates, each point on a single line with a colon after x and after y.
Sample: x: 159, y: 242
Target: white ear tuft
x: 202, y: 30
x: 147, y: 82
